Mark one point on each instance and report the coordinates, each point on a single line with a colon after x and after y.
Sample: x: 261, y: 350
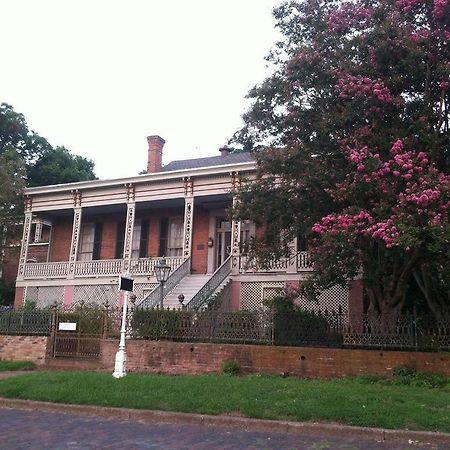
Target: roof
x: 233, y: 158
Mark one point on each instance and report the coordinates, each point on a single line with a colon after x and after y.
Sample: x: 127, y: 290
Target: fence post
x: 105, y: 319
x: 416, y: 343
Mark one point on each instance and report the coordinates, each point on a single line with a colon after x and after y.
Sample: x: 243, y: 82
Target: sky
x: 98, y: 76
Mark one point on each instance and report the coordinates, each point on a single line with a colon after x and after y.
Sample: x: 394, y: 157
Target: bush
x: 155, y: 324
x: 230, y: 367
x: 410, y: 377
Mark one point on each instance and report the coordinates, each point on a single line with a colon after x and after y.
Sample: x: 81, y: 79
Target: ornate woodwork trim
x: 76, y: 195
x: 236, y: 181
x: 128, y: 239
x: 28, y: 202
x: 25, y: 242
x: 76, y: 229
x: 188, y: 187
x: 131, y: 192
x: 235, y: 242
x: 188, y: 219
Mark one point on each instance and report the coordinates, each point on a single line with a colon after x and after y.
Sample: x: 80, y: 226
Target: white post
x: 120, y: 367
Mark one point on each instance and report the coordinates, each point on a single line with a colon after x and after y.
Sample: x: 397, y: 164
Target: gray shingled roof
x: 233, y: 158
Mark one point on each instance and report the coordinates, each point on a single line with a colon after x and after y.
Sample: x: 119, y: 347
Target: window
x: 90, y: 243
x: 140, y: 239
x: 171, y: 237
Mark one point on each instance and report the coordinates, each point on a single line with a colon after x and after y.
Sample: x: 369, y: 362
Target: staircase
x: 188, y: 286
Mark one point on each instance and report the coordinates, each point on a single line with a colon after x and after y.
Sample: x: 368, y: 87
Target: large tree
x: 352, y: 130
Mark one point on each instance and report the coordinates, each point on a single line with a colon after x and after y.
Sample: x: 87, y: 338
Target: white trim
x: 145, y: 178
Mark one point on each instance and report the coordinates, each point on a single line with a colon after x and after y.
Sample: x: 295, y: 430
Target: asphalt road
x: 22, y: 429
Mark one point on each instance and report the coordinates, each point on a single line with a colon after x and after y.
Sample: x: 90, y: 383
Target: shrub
x: 230, y: 367
x: 410, y: 377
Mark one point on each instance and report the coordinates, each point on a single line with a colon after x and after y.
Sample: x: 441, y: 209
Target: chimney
x: 155, y: 148
x: 225, y: 150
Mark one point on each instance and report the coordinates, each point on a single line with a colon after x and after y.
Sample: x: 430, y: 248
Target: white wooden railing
x: 97, y: 268
x: 46, y: 270
x: 301, y: 261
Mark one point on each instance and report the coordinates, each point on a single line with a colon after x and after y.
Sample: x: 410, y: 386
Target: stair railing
x: 153, y: 298
x: 217, y: 278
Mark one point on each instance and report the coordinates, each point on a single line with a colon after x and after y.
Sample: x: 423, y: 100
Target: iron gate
x: 84, y: 340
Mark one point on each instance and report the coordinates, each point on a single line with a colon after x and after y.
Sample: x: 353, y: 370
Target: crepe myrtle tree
x: 351, y: 136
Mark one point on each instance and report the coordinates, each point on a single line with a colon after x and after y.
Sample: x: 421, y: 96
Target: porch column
x: 292, y: 261
x: 76, y: 227
x: 235, y: 227
x: 235, y: 243
x: 129, y: 227
x: 188, y: 216
x: 25, y: 238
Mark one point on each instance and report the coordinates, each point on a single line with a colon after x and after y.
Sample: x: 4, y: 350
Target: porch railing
x: 46, y: 270
x: 153, y: 298
x: 301, y: 261
x: 217, y: 278
x: 96, y: 268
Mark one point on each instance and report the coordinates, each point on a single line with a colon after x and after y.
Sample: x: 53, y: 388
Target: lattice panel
x: 97, y: 295
x: 45, y: 295
x: 253, y: 293
x: 143, y: 289
x: 333, y: 299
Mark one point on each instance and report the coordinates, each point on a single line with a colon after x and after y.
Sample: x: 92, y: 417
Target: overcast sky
x: 98, y: 76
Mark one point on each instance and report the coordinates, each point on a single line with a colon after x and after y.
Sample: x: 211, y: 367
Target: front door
x: 223, y: 240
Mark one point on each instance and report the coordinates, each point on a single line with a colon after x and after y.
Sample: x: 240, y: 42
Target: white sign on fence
x: 67, y: 326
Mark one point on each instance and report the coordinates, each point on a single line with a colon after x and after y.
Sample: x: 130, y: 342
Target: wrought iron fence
x: 301, y: 328
x: 26, y: 322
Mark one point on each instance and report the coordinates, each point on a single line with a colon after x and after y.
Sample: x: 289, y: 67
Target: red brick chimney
x: 155, y: 148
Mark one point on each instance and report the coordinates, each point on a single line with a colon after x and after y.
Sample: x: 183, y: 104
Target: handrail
x: 201, y: 297
x: 153, y: 298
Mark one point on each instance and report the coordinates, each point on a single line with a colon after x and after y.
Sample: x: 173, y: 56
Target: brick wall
x: 18, y: 298
x: 23, y: 348
x: 200, y: 234
x: 38, y: 252
x: 61, y: 238
x: 185, y: 358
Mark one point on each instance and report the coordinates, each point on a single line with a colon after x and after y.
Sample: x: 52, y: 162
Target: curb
x: 273, y: 426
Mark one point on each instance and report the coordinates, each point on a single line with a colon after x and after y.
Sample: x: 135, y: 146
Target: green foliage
x: 157, y: 324
x: 230, y: 367
x: 7, y: 291
x: 57, y: 166
x: 410, y: 377
x: 6, y: 366
x: 322, y: 101
x: 295, y: 326
x: 89, y: 319
x: 345, y: 401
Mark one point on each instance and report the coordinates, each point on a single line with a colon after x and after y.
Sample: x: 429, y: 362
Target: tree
x: 44, y: 164
x: 58, y: 165
x: 354, y: 123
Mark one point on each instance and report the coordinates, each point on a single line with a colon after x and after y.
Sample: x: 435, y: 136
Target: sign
x: 67, y: 326
x: 126, y: 284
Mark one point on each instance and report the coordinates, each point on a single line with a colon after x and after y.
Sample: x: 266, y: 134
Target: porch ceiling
x: 206, y: 202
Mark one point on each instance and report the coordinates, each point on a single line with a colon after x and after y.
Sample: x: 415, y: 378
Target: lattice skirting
x: 44, y: 295
x: 253, y: 295
x: 96, y: 295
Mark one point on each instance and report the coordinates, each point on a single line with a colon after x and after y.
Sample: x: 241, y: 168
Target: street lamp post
x: 126, y: 285
x: 162, y: 271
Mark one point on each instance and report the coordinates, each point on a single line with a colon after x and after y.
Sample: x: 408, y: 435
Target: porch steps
x: 188, y: 286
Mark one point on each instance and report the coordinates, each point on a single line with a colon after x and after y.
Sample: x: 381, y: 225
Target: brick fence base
x: 23, y: 348
x: 188, y: 358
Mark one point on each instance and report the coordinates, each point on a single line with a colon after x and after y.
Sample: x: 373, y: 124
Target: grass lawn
x: 357, y: 401
x: 16, y: 365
